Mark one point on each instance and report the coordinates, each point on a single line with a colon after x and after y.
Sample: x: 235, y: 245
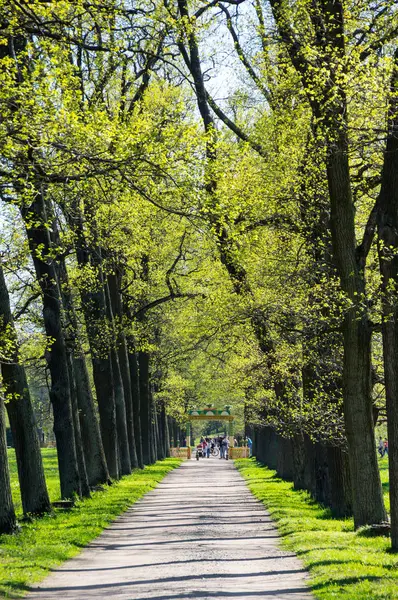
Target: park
x: 199, y: 299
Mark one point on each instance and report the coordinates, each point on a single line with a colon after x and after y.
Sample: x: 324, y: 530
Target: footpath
x: 199, y: 534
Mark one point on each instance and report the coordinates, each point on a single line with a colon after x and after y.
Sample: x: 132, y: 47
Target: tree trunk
x: 388, y: 256
x: 94, y: 310
x: 35, y: 219
x: 121, y: 421
x: 32, y: 483
x: 145, y: 414
x: 114, y: 283
x: 162, y: 449
x: 91, y: 457
x: 81, y: 462
x: 8, y: 521
x: 167, y: 435
x: 128, y: 394
x: 96, y: 465
x: 367, y: 497
x: 121, y: 424
x: 103, y: 381
x: 135, y: 388
x: 156, y: 439
x: 329, y: 107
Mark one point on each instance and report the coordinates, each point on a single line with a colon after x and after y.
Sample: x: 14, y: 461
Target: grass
x: 384, y: 481
x: 28, y: 556
x: 343, y: 565
x: 51, y: 472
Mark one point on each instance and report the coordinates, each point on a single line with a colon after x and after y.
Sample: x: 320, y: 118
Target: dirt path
x: 200, y: 534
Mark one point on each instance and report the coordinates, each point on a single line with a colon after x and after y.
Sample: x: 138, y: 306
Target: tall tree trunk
x: 70, y: 333
x: 121, y: 424
x: 32, y: 482
x: 103, y: 381
x: 155, y: 422
x: 91, y: 457
x: 81, y: 462
x: 329, y: 107
x: 7, y: 514
x: 368, y: 505
x: 135, y: 388
x: 162, y: 430
x: 36, y: 222
x: 128, y: 394
x: 167, y: 435
x: 94, y: 310
x: 97, y: 469
x: 145, y: 413
x: 121, y: 420
x: 114, y: 282
x: 388, y: 256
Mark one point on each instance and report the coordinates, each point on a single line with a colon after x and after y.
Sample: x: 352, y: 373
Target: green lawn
x: 343, y: 564
x: 51, y: 471
x: 43, y: 544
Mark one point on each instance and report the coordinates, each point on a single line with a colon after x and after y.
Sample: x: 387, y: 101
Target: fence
x: 180, y: 452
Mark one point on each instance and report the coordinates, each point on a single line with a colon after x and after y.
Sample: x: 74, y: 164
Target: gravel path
x: 199, y: 534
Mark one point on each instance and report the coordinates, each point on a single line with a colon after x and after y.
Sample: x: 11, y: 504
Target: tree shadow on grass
x: 343, y: 581
x: 13, y: 589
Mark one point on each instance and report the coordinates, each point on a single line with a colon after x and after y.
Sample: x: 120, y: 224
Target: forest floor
x: 343, y: 564
x: 43, y: 544
x: 199, y: 534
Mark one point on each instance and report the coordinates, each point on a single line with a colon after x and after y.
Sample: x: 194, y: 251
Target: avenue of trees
x: 199, y: 203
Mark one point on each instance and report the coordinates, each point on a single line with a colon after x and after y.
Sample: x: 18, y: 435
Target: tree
x: 35, y: 500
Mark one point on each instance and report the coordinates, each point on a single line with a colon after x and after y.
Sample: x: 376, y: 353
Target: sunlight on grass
x: 50, y: 463
x: 342, y: 564
x: 28, y: 556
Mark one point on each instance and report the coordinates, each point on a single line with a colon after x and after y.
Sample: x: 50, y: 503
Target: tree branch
x: 244, y: 60
x: 234, y: 127
x: 159, y: 301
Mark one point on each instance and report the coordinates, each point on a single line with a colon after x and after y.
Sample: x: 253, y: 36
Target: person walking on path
x: 226, y: 444
x: 380, y: 447
x: 249, y: 445
x: 222, y: 448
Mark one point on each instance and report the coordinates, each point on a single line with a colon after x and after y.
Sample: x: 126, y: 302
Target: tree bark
x: 94, y: 310
x: 145, y: 414
x: 91, y: 457
x: 81, y: 462
x: 8, y: 521
x: 121, y: 421
x: 135, y: 387
x: 36, y: 221
x: 367, y: 497
x: 34, y: 495
x: 329, y: 107
x: 97, y: 469
x: 155, y: 428
x: 114, y: 282
x: 387, y: 226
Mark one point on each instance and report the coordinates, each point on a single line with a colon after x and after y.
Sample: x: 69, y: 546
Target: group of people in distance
x: 207, y: 445
x: 382, y: 447
x: 221, y: 442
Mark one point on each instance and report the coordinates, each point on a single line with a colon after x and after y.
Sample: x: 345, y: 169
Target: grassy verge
x: 28, y: 556
x: 343, y: 564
